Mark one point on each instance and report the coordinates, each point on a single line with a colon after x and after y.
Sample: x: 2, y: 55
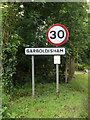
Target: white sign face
x: 57, y: 59
x: 45, y: 51
x: 57, y: 34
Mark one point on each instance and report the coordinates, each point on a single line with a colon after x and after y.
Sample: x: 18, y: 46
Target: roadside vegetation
x: 72, y: 101
x: 25, y: 24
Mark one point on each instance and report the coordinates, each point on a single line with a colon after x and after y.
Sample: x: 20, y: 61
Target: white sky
x: 88, y: 0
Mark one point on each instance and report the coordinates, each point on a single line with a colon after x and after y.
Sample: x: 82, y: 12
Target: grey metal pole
x: 57, y: 79
x: 33, y: 84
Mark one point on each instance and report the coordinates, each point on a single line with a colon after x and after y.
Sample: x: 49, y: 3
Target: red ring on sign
x: 57, y: 44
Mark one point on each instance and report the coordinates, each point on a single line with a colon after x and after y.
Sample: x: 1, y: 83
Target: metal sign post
x: 57, y: 62
x: 57, y: 79
x: 33, y: 77
x: 57, y: 35
x: 45, y: 51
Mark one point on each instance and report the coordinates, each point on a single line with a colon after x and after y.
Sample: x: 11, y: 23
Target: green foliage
x: 71, y: 103
x: 83, y: 54
x: 80, y: 67
x: 5, y: 104
x: 28, y: 26
x: 73, y: 15
x: 10, y: 43
x: 9, y: 62
x: 80, y: 82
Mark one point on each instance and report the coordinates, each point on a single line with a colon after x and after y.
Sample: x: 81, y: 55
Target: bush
x: 9, y: 62
x: 79, y: 67
x: 5, y: 104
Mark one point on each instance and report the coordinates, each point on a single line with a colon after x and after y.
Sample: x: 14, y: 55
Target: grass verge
x: 71, y: 103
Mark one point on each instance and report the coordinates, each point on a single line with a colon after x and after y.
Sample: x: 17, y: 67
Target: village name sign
x: 57, y: 35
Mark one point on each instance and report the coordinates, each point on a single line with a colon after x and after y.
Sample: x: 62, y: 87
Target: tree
x: 26, y: 25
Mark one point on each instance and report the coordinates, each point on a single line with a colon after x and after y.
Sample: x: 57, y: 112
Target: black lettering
x: 57, y: 50
x: 61, y: 50
x: 31, y: 50
x: 27, y: 50
x: 59, y: 33
x: 54, y: 35
x: 40, y: 50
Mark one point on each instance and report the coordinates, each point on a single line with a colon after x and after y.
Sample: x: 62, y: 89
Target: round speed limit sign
x: 57, y: 34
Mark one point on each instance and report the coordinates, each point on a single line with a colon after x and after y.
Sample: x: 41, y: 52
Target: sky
x: 88, y: 0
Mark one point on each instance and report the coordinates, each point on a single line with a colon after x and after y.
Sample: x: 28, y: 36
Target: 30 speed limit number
x: 57, y: 34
